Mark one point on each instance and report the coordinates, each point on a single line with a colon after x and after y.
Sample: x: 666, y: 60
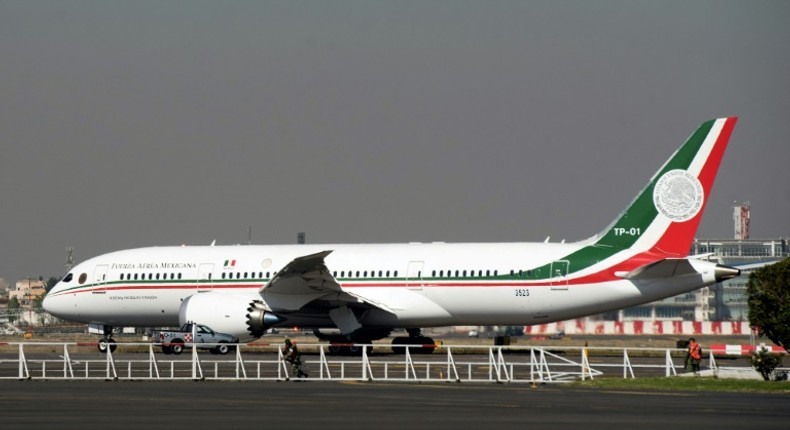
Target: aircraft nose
x: 58, y: 306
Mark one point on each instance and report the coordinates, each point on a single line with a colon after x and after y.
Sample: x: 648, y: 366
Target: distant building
x: 26, y: 290
x: 741, y: 217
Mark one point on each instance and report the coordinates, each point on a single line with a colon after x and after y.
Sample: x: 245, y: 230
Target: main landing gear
x: 418, y: 344
x: 350, y: 344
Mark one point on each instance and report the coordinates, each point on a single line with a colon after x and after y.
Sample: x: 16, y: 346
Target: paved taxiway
x: 86, y: 405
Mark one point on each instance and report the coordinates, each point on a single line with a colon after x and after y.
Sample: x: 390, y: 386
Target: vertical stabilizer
x: 664, y: 216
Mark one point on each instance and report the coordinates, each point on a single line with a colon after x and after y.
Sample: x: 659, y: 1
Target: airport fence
x: 462, y: 363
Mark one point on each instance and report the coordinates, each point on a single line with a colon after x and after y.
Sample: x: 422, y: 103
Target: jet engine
x: 243, y: 317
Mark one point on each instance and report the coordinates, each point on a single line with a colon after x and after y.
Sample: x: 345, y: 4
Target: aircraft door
x: 559, y: 275
x: 414, y: 275
x: 100, y: 278
x: 204, y: 278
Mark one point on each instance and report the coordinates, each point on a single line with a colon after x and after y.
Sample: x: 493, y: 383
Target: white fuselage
x: 420, y: 285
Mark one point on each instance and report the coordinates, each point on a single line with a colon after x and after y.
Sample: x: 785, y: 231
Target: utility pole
x: 69, y: 258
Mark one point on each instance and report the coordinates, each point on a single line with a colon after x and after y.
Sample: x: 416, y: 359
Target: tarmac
x: 89, y: 405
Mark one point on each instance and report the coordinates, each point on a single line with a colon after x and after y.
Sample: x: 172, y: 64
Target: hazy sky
x: 135, y: 123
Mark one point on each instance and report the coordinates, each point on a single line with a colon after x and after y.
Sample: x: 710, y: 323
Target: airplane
x: 360, y: 293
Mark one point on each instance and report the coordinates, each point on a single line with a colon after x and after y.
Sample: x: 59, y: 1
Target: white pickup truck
x: 174, y: 341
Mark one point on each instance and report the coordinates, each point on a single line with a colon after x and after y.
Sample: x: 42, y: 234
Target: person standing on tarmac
x: 693, y: 355
x: 292, y: 355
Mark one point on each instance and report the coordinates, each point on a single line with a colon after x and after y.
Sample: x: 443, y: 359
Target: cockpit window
x: 68, y: 278
x: 83, y: 278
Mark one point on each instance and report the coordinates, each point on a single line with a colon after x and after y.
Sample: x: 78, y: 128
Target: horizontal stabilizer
x: 666, y: 268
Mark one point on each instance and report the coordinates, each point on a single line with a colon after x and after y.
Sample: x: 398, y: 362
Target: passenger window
x: 179, y: 276
x: 135, y: 276
x: 83, y: 278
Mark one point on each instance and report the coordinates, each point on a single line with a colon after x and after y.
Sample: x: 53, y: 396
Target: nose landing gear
x: 106, y: 341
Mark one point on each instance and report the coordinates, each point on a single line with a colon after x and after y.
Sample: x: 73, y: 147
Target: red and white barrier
x: 648, y: 327
x: 744, y: 349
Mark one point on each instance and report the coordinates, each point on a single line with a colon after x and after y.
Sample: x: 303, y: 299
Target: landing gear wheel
x: 346, y: 349
x: 107, y: 343
x: 425, y: 345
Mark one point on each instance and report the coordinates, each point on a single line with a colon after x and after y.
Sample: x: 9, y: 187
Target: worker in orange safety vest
x: 693, y: 355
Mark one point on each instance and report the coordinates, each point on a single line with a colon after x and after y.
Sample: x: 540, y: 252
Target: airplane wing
x: 305, y: 279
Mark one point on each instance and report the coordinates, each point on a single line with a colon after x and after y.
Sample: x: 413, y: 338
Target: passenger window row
x: 342, y: 274
x: 464, y: 273
x: 245, y: 275
x: 150, y: 276
x: 440, y: 273
x: 364, y: 274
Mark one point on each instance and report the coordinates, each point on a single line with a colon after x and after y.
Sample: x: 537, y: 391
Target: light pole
x: 27, y: 301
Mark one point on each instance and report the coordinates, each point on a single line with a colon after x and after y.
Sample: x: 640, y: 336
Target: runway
x: 88, y: 405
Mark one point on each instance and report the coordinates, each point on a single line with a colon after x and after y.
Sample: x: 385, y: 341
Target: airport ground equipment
x: 199, y: 335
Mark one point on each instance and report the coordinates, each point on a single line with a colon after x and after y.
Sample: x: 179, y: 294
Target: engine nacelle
x: 243, y: 317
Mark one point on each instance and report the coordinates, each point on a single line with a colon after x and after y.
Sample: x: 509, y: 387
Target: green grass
x: 690, y: 384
